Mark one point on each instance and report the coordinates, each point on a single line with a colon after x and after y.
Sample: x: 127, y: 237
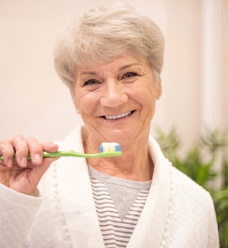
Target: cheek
x: 84, y: 103
x: 146, y: 95
x: 77, y: 100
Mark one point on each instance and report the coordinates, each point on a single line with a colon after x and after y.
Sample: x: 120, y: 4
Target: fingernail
x: 23, y: 162
x: 37, y: 158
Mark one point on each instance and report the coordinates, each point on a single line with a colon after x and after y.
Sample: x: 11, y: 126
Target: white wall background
x: 34, y: 102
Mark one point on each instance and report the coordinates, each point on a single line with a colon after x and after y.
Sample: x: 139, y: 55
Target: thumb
x: 38, y: 171
x: 50, y: 147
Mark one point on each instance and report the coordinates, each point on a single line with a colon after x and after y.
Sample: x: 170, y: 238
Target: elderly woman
x: 111, y: 60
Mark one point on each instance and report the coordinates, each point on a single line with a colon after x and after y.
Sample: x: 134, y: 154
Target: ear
x: 159, y: 90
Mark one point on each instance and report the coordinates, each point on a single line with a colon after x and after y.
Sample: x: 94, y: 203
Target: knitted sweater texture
x: 178, y: 213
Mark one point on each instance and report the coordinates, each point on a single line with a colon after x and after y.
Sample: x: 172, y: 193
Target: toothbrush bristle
x: 109, y: 147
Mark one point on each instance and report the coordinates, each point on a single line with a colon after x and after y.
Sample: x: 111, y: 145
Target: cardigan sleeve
x: 17, y: 212
x: 213, y: 239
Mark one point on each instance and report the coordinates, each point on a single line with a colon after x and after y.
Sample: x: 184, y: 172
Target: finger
x: 50, y: 147
x: 7, y: 151
x: 36, y: 151
x: 21, y: 147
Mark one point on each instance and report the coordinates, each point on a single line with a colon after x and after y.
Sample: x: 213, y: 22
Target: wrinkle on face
x: 141, y: 91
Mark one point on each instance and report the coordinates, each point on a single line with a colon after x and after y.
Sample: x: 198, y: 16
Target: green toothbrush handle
x: 72, y: 153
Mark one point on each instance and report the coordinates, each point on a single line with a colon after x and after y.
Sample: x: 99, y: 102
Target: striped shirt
x: 119, y: 204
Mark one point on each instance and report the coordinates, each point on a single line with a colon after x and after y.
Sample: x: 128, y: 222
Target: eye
x: 129, y: 75
x: 91, y: 82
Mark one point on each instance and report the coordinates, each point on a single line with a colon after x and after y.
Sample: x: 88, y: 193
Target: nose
x: 113, y: 94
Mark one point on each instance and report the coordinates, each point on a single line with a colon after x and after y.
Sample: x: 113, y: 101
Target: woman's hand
x: 21, y: 174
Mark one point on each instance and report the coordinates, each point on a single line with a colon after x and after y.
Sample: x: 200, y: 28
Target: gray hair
x: 104, y: 33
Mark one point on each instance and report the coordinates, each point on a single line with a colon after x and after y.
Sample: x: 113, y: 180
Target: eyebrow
x: 93, y: 73
x: 88, y: 73
x: 127, y: 66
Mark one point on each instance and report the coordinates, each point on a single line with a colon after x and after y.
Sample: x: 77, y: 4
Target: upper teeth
x: 113, y: 117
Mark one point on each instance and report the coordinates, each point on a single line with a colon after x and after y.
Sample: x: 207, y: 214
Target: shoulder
x: 189, y: 194
x: 180, y: 182
x: 184, y: 181
x: 192, y: 209
x: 185, y: 190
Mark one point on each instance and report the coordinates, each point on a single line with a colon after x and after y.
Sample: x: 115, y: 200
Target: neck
x: 134, y: 164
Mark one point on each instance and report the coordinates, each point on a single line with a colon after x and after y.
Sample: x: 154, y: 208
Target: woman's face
x: 116, y: 99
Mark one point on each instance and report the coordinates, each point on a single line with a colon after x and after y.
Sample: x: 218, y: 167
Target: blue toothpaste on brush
x: 109, y: 147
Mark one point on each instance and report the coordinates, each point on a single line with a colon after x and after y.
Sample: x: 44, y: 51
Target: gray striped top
x: 119, y: 203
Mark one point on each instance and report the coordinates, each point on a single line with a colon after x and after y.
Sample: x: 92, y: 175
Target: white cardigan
x: 178, y: 213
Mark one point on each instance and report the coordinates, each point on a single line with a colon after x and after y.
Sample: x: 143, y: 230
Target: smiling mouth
x: 119, y: 116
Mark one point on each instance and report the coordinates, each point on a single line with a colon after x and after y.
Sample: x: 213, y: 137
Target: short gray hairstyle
x: 104, y: 33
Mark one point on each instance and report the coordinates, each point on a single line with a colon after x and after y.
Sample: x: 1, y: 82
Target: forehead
x: 118, y: 64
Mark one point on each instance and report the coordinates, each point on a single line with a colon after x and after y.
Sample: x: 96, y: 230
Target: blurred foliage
x: 198, y: 162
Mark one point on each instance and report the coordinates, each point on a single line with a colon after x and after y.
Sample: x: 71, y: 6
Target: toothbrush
x: 107, y: 149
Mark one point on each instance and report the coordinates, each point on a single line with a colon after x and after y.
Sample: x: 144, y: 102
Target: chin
x: 119, y: 136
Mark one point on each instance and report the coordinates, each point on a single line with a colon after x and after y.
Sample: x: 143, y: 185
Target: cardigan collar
x: 79, y: 209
